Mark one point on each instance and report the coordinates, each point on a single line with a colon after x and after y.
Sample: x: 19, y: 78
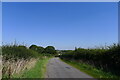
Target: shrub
x: 50, y: 50
x: 17, y: 52
x: 107, y: 59
x: 36, y: 48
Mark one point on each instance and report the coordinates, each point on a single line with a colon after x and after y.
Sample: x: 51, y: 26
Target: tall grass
x: 38, y: 71
x: 92, y: 71
x: 17, y: 58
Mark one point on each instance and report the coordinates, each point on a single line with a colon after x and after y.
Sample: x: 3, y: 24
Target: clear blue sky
x: 0, y: 23
x: 63, y: 25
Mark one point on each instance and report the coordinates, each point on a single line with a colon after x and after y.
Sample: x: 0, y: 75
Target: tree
x: 50, y: 50
x: 36, y: 48
x: 33, y: 47
x: 40, y: 49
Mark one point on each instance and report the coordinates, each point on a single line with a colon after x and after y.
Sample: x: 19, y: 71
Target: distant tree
x: 40, y: 49
x: 50, y: 50
x: 36, y: 48
x: 33, y: 47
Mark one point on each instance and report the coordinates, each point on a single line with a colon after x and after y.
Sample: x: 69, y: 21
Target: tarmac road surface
x: 58, y: 69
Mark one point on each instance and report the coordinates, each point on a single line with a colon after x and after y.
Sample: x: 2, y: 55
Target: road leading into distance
x: 58, y: 69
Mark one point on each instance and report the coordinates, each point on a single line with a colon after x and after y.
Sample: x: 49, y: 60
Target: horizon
x: 62, y: 25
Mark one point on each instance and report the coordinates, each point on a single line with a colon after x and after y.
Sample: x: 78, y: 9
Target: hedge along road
x: 58, y: 69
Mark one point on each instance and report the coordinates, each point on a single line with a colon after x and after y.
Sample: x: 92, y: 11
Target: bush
x: 17, y: 52
x: 107, y: 59
x: 50, y: 50
x: 36, y: 48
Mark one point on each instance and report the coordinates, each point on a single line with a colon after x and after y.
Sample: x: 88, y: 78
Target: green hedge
x: 18, y: 52
x: 107, y: 59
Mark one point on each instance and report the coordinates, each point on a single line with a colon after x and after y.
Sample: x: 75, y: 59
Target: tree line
x: 15, y: 51
x: 39, y: 49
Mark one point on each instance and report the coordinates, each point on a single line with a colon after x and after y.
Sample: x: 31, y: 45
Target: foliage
x: 50, y: 50
x: 107, y: 59
x: 36, y: 48
x: 20, y: 51
x: 91, y: 70
x: 38, y: 71
x: 17, y: 55
x: 33, y: 47
x: 17, y: 52
x: 39, y: 49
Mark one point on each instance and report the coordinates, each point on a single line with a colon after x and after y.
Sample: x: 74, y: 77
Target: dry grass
x: 15, y: 67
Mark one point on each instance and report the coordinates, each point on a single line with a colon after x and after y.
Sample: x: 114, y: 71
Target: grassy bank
x: 38, y: 71
x: 90, y: 70
x: 17, y: 58
x: 20, y: 61
x: 106, y: 59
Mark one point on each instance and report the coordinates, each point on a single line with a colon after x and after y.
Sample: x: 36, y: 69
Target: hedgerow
x: 107, y: 59
x: 17, y: 52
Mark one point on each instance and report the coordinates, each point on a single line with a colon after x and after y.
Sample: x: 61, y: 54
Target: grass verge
x: 90, y: 70
x: 36, y: 72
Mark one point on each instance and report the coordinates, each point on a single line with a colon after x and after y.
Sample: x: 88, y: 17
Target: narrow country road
x: 58, y: 69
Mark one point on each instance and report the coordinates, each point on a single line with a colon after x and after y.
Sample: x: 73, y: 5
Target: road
x: 58, y: 69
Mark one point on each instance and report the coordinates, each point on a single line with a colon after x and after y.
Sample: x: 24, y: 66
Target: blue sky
x: 0, y: 23
x: 63, y: 25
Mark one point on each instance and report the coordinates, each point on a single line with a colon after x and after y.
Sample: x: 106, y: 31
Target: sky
x: 60, y: 24
x: 60, y: 0
x: 0, y: 23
